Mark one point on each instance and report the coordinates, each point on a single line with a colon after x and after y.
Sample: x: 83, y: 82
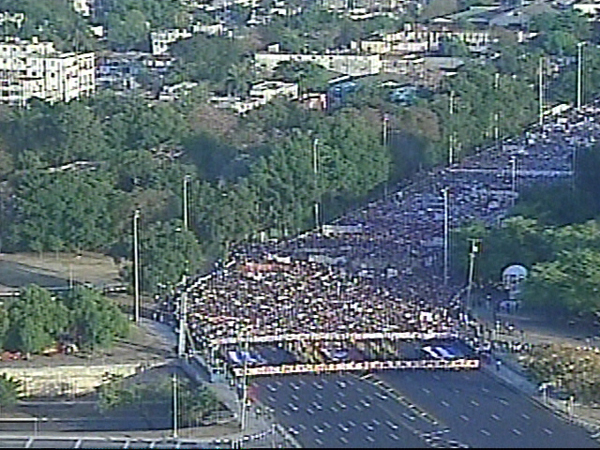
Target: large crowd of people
x: 381, y: 267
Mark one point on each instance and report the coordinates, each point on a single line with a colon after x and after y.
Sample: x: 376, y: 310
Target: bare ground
x: 56, y: 269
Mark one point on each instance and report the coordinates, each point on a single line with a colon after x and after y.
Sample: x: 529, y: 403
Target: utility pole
x: 451, y: 143
x: 445, y: 193
x: 136, y: 268
x: 473, y: 251
x: 497, y: 114
x: 186, y: 181
x: 579, y: 74
x: 244, y: 387
x: 182, y: 325
x: 385, y: 127
x: 175, y: 412
x: 541, y: 93
x: 316, y: 180
x: 513, y: 161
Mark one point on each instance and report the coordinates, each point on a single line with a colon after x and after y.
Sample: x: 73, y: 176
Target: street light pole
x: 175, y: 412
x: 316, y: 179
x: 472, y: 252
x: 579, y: 74
x: 541, y: 92
x: 136, y: 268
x: 513, y: 161
x: 186, y: 180
x: 244, y: 387
x: 445, y: 193
x: 451, y: 138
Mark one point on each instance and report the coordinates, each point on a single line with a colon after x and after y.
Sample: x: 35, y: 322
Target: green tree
x: 94, y: 320
x: 36, y: 319
x: 10, y: 391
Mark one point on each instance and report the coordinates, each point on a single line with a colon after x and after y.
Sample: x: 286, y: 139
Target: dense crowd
x: 380, y: 268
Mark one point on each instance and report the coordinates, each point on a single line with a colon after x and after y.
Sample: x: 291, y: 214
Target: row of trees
x: 37, y: 320
x: 196, y: 404
x: 555, y: 232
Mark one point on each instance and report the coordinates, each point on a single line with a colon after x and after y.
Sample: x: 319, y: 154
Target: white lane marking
x: 516, y: 431
x: 495, y: 417
x: 392, y: 425
x: 525, y: 416
x: 394, y: 437
x: 474, y: 403
x: 485, y: 432
x: 463, y: 417
x: 547, y: 431
x: 445, y: 403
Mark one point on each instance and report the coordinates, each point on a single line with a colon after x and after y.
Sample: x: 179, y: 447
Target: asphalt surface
x: 336, y: 410
x: 413, y: 409
x: 482, y: 412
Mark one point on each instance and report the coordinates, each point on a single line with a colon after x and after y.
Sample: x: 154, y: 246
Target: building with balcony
x: 31, y: 69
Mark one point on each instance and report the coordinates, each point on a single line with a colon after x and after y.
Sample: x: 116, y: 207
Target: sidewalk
x: 512, y: 373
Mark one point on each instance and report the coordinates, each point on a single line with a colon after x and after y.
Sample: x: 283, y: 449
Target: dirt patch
x: 56, y: 269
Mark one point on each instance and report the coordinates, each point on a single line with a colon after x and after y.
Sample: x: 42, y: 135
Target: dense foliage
x: 572, y: 370
x: 37, y: 320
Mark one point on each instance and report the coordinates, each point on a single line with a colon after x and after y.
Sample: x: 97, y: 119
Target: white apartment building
x: 348, y: 64
x: 421, y: 41
x: 36, y: 69
x: 160, y: 40
x: 83, y: 7
x: 268, y: 90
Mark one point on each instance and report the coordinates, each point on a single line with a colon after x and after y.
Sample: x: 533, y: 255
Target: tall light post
x: 385, y: 129
x: 136, y: 268
x: 451, y: 138
x: 446, y: 248
x: 541, y: 91
x: 473, y: 251
x: 316, y: 179
x: 175, y: 411
x: 497, y: 114
x: 579, y: 74
x: 186, y: 181
x: 244, y: 385
x: 513, y: 161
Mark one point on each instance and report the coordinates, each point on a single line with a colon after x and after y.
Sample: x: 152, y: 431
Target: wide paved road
x: 483, y: 412
x: 413, y: 409
x: 334, y: 410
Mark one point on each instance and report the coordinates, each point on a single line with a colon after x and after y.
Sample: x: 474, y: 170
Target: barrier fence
x: 458, y: 364
x: 409, y: 335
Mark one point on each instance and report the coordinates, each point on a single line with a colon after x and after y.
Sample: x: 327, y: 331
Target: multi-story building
x: 36, y: 69
x: 83, y: 7
x: 160, y: 40
x: 421, y: 40
x: 348, y: 64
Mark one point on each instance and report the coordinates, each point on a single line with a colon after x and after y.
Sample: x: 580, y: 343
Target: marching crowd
x: 382, y: 268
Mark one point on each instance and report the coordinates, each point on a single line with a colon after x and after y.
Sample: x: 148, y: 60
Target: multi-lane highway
x: 344, y: 410
x: 413, y: 409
